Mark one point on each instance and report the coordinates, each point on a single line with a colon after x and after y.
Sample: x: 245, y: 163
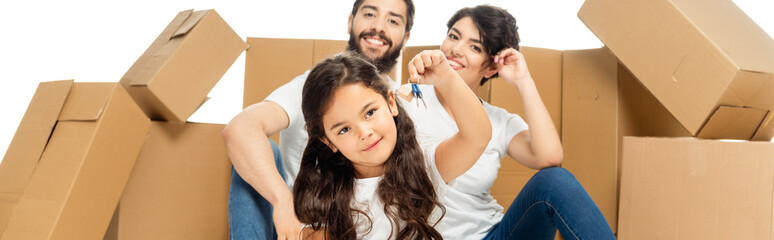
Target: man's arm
x: 247, y: 144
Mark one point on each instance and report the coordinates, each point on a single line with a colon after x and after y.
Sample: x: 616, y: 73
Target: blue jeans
x: 552, y: 199
x: 249, y: 214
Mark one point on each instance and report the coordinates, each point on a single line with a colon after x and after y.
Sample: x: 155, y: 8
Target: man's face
x: 378, y: 31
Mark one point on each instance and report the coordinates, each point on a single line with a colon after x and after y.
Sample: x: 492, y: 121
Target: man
x: 378, y: 30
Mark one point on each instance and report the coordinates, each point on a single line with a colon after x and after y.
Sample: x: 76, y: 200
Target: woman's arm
x: 454, y: 156
x: 539, y: 147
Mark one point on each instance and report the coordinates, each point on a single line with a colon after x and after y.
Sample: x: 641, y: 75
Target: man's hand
x: 285, y: 221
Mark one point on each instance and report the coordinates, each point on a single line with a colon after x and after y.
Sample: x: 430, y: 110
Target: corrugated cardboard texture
x: 272, y: 62
x: 602, y: 102
x: 545, y: 66
x: 680, y: 50
x: 484, y: 92
x: 28, y: 144
x: 172, y: 78
x: 179, y: 186
x: 77, y: 183
x: 683, y: 188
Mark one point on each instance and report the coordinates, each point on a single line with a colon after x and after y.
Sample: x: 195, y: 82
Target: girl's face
x: 464, y: 49
x: 360, y: 124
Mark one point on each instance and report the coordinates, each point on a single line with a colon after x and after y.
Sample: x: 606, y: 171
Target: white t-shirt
x: 470, y: 209
x: 367, y: 201
x: 293, y: 139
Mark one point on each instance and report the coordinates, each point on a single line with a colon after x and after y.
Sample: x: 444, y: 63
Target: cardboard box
x: 685, y: 188
x: 602, y: 102
x: 706, y: 61
x: 172, y: 78
x: 64, y: 179
x: 179, y: 186
x: 272, y: 62
x: 28, y: 144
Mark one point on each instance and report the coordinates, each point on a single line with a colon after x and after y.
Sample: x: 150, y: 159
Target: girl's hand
x: 429, y: 67
x: 511, y: 66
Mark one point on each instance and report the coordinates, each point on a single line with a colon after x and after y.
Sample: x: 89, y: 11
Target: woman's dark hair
x: 324, y: 188
x: 496, y: 26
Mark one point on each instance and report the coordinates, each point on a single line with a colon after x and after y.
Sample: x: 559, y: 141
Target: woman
x: 482, y: 43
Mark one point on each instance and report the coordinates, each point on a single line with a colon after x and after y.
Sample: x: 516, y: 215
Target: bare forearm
x: 254, y: 161
x: 248, y: 147
x: 471, y: 118
x: 544, y: 139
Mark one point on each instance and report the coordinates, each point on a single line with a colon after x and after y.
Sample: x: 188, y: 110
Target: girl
x: 482, y: 43
x: 362, y: 174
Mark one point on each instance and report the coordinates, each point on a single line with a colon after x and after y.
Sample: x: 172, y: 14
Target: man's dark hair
x: 409, y: 12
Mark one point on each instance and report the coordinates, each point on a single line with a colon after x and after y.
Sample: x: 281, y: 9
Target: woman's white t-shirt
x: 368, y: 201
x: 470, y: 209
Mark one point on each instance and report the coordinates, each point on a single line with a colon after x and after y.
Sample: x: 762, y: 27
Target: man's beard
x: 384, y: 63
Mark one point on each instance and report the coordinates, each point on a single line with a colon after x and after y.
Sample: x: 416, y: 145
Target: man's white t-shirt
x: 367, y: 201
x: 470, y: 209
x: 293, y: 139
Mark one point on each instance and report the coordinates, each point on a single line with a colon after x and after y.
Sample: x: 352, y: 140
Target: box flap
x: 28, y: 144
x: 192, y: 18
x: 86, y: 101
x: 766, y: 130
x: 729, y: 122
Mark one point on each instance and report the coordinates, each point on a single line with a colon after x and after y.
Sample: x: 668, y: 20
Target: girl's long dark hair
x: 324, y: 188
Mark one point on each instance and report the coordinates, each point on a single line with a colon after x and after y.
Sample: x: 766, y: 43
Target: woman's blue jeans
x: 249, y: 214
x: 552, y: 199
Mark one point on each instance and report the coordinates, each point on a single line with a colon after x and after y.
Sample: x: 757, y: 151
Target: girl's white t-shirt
x: 471, y: 211
x: 368, y: 201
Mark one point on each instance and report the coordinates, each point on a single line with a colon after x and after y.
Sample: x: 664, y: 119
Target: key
x: 418, y: 94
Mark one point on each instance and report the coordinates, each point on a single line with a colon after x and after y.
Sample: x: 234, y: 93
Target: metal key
x: 418, y: 94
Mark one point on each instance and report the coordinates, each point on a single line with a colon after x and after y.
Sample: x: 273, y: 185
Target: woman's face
x: 464, y: 49
x: 360, y: 124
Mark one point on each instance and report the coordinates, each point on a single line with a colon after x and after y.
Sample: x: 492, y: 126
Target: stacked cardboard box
x: 179, y: 186
x: 712, y: 68
x: 69, y: 161
x: 76, y: 148
x: 602, y: 102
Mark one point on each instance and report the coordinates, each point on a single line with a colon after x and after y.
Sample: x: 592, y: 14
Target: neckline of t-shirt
x: 369, y: 179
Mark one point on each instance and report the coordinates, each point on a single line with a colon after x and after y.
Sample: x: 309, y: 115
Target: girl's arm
x: 454, y: 156
x: 539, y: 147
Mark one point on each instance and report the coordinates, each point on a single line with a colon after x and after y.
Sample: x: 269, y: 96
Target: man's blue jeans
x: 249, y: 214
x: 552, y: 199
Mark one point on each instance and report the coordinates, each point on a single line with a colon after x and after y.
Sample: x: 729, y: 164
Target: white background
x: 97, y: 41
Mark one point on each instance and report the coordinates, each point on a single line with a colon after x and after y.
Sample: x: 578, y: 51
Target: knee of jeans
x: 556, y: 178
